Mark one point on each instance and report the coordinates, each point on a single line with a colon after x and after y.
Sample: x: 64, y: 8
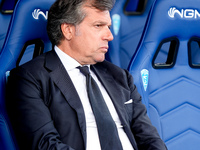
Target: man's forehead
x: 97, y: 15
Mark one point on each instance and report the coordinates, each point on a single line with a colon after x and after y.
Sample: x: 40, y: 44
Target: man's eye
x: 98, y: 25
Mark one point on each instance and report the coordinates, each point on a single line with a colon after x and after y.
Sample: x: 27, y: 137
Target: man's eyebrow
x: 103, y: 22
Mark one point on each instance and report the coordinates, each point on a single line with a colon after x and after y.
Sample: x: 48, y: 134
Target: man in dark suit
x: 49, y: 106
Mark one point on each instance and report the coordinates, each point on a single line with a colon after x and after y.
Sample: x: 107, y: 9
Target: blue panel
x: 131, y: 5
x: 6, y: 142
x: 8, y: 6
x: 6, y: 9
x: 4, y: 19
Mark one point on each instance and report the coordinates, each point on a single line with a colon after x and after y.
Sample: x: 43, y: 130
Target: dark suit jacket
x: 46, y: 111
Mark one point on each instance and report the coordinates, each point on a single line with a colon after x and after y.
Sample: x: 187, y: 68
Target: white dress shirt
x: 79, y: 81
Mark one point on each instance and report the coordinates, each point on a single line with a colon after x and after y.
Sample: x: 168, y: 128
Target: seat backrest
x: 165, y: 69
x: 6, y: 9
x: 27, y: 30
x: 128, y: 20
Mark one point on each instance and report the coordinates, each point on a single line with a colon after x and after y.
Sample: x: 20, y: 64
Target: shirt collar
x: 68, y: 62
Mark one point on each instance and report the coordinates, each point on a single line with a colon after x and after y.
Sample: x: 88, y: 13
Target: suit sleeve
x: 144, y: 132
x: 29, y: 115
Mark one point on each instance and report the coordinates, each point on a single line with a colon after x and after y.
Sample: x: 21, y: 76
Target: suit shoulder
x: 111, y: 66
x: 114, y: 69
x: 34, y: 63
x: 116, y: 72
x: 33, y: 66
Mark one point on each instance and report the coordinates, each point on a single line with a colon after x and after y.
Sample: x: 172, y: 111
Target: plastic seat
x: 128, y: 20
x: 166, y: 68
x: 26, y: 38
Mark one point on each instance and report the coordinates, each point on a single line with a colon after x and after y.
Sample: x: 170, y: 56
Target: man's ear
x: 67, y: 30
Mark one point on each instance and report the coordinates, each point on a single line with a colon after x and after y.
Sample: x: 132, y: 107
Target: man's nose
x: 108, y: 35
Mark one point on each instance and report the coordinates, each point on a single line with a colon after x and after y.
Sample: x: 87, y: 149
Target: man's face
x: 89, y: 41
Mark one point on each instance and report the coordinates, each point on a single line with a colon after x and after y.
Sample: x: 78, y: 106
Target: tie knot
x: 84, y: 70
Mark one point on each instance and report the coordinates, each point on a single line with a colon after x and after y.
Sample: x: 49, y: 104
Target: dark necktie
x: 106, y: 127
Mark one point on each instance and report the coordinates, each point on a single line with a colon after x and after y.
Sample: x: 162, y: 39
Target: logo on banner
x: 37, y: 12
x: 183, y: 13
x: 145, y: 78
x: 116, y: 19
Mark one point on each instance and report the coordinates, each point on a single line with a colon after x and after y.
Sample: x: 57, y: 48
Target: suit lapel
x: 113, y: 90
x: 116, y: 96
x: 61, y: 78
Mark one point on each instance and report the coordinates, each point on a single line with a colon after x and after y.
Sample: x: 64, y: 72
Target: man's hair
x: 71, y: 12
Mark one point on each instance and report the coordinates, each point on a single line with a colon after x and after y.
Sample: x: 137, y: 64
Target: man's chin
x: 100, y: 59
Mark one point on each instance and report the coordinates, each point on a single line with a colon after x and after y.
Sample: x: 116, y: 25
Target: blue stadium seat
x: 128, y: 20
x: 6, y: 9
x: 26, y: 37
x: 166, y: 68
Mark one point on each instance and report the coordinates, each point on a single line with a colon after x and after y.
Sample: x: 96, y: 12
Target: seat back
x: 26, y: 38
x: 128, y: 20
x: 166, y: 68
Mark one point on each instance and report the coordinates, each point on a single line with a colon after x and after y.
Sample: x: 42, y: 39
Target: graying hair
x: 71, y: 12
